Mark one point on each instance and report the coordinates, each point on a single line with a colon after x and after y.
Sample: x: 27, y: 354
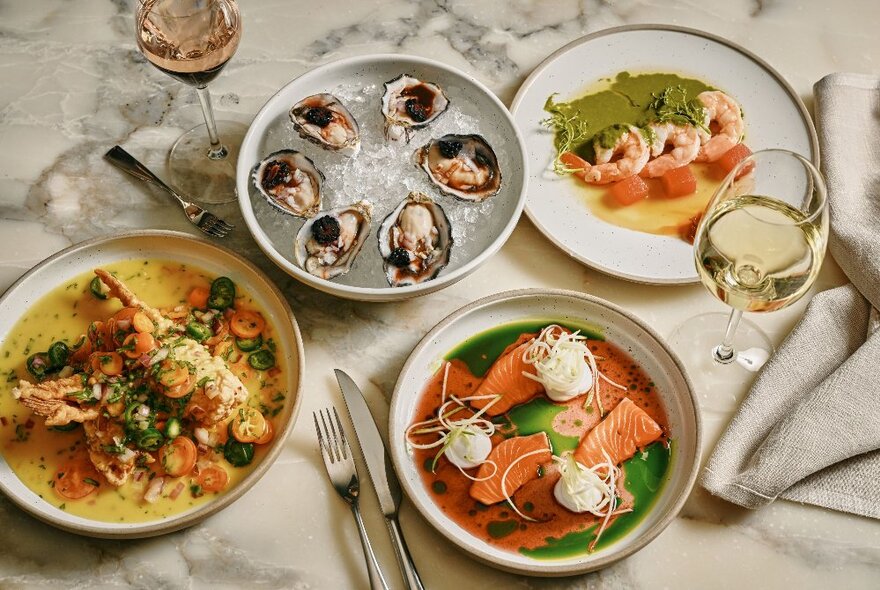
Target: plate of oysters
x: 382, y: 177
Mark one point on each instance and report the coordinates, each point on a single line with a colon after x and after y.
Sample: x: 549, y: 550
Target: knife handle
x: 407, y: 567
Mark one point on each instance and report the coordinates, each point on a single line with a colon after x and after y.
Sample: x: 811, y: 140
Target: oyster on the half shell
x: 415, y: 241
x: 324, y: 120
x: 409, y: 103
x: 464, y: 166
x: 289, y: 181
x: 327, y: 245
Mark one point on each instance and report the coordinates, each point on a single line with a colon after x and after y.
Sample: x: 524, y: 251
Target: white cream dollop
x: 580, y: 489
x: 468, y: 447
x: 562, y: 363
x: 582, y: 384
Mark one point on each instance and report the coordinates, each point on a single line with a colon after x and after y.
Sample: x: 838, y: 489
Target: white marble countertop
x: 72, y: 84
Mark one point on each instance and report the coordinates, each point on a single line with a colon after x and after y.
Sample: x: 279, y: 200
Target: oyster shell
x: 409, y: 103
x: 464, y: 166
x: 289, y: 181
x: 327, y: 244
x: 415, y: 241
x: 324, y: 120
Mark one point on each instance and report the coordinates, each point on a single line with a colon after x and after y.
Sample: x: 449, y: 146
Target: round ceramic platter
x: 619, y: 327
x: 186, y: 249
x: 775, y: 117
x: 384, y: 172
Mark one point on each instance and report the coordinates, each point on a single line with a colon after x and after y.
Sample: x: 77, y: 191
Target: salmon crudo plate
x: 545, y: 432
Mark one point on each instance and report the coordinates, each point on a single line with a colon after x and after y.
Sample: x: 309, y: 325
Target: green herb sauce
x: 480, y: 351
x: 626, y: 100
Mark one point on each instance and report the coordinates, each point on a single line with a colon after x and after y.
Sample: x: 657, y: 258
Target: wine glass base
x: 195, y: 174
x: 716, y: 383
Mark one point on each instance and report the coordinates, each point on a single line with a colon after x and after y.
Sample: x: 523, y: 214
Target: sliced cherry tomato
x: 212, y: 478
x: 268, y: 434
x: 172, y: 373
x: 198, y: 297
x: 126, y: 313
x: 76, y: 479
x: 142, y: 323
x: 181, y: 389
x: 109, y: 363
x: 178, y: 456
x: 247, y: 324
x: 137, y: 344
x: 248, y: 425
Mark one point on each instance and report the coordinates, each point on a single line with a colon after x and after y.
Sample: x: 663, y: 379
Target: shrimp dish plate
x: 545, y: 432
x: 382, y: 177
x: 600, y: 227
x: 149, y: 380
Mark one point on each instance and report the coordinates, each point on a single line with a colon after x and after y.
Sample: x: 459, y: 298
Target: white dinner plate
x: 775, y: 117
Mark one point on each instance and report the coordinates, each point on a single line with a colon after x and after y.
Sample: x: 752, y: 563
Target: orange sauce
x: 498, y: 525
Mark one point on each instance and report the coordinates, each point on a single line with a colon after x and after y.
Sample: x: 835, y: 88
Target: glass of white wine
x: 758, y: 248
x: 192, y: 41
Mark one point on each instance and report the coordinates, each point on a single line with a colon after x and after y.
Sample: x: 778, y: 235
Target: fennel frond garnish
x: 570, y: 131
x: 672, y: 106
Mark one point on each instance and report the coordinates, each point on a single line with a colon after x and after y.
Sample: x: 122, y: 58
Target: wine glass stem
x: 216, y: 151
x: 724, y: 353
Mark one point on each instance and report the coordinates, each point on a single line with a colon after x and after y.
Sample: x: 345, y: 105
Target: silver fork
x: 343, y: 475
x: 204, y: 220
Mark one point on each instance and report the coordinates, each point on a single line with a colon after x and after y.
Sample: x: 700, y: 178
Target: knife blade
x: 380, y: 470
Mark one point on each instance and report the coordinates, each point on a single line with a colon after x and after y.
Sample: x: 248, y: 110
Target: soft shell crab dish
x: 173, y: 403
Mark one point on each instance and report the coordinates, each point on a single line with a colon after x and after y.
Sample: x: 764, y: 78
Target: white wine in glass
x: 192, y: 41
x: 758, y: 248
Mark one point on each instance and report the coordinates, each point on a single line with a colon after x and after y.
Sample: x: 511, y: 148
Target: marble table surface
x: 72, y: 84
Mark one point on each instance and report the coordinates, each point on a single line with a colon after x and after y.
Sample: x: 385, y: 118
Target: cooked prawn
x: 685, y: 143
x: 724, y: 119
x: 627, y: 157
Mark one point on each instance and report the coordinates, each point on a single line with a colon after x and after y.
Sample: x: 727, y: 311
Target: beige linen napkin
x: 809, y: 429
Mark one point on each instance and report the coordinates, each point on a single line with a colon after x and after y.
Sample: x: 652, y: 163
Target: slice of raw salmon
x: 505, y: 378
x: 520, y: 458
x: 626, y: 428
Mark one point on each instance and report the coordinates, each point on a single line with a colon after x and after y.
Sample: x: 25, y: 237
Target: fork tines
x: 213, y: 225
x: 339, y: 449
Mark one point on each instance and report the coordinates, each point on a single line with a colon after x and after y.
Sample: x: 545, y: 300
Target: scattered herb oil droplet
x: 501, y: 528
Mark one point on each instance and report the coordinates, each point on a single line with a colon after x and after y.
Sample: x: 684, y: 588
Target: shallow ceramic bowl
x: 620, y: 327
x: 271, y: 130
x: 186, y: 249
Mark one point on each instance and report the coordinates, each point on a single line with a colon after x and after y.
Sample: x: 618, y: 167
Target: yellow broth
x: 34, y: 452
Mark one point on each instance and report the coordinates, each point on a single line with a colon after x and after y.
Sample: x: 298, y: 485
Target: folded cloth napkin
x: 809, y: 429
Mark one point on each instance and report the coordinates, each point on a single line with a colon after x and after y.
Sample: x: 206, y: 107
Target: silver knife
x: 381, y: 473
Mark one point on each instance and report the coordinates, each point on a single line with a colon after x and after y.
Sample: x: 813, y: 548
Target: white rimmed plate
x: 775, y: 117
x: 479, y: 229
x: 184, y: 248
x: 618, y: 326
